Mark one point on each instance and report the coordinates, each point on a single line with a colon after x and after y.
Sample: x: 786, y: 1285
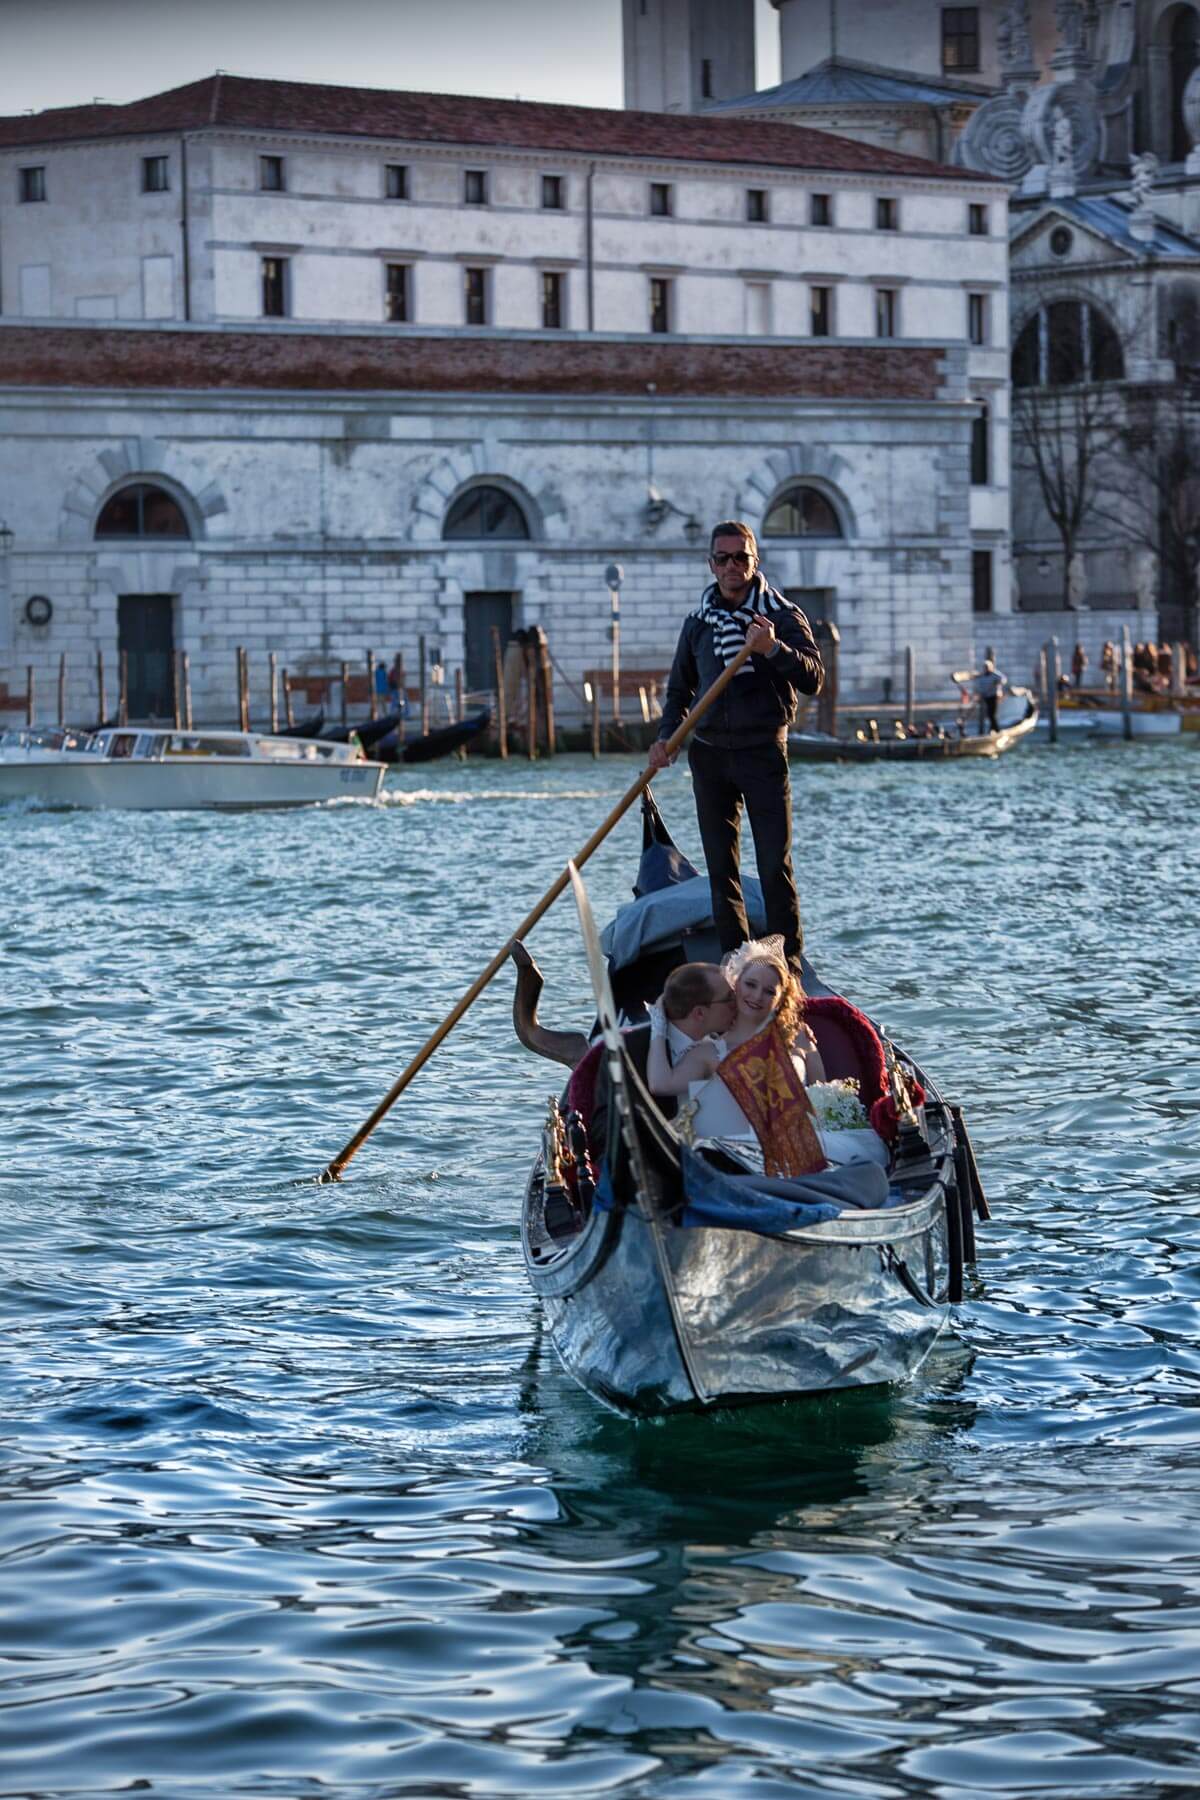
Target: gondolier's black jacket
x: 755, y: 708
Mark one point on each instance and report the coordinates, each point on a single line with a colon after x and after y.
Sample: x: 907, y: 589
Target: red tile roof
x: 112, y: 356
x: 309, y: 107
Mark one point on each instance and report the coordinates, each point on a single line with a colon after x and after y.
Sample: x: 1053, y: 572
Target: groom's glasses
x: 743, y: 558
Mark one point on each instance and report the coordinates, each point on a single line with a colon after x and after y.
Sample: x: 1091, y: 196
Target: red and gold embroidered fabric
x: 766, y: 1084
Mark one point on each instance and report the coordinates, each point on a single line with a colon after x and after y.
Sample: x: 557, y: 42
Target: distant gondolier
x: 989, y: 685
x: 738, y: 755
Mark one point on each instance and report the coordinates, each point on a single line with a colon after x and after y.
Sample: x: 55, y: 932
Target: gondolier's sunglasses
x: 743, y: 558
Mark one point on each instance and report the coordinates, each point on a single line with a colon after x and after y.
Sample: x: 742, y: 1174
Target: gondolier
x: 738, y: 756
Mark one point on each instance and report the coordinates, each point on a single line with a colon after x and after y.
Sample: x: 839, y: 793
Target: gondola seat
x: 849, y: 1044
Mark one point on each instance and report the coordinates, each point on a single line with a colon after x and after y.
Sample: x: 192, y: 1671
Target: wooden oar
x: 333, y: 1170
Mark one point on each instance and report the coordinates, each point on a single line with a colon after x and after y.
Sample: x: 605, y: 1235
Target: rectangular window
x: 887, y: 214
x: 758, y: 309
x: 396, y: 296
x: 552, y: 193
x: 660, y: 303
x: 977, y: 220
x: 660, y: 199
x: 275, y: 287
x: 156, y: 177
x: 31, y: 184
x: 960, y: 37
x: 885, y: 312
x: 706, y: 86
x: 553, y: 316
x: 821, y: 307
x: 475, y: 187
x: 272, y: 174
x: 756, y: 205
x: 981, y: 581
x: 820, y: 209
x: 475, y: 294
x: 980, y: 472
x: 977, y: 318
x: 395, y: 181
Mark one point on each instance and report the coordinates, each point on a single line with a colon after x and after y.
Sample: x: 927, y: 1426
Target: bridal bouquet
x: 837, y: 1105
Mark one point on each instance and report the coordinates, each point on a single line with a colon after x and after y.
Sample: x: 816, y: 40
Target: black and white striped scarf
x: 729, y: 628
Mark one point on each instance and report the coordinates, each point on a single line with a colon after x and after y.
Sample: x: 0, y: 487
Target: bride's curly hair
x: 789, y: 1008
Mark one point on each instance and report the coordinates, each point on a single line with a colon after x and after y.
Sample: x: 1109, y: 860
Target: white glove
x: 658, y: 1019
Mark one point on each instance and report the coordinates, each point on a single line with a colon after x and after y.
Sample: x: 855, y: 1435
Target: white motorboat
x: 144, y: 770
x: 41, y: 743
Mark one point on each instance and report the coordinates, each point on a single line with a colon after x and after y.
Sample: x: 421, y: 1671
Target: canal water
x: 294, y: 1498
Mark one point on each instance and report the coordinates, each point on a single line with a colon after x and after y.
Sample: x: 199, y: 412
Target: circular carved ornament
x: 1061, y: 239
x: 39, y: 609
x: 994, y: 140
x: 1076, y: 100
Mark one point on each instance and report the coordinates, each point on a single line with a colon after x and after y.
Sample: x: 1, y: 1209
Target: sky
x: 70, y: 52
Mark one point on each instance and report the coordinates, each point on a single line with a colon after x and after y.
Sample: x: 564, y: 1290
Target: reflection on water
x: 294, y: 1497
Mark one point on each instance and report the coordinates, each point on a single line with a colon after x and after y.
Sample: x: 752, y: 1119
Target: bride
x: 752, y: 1083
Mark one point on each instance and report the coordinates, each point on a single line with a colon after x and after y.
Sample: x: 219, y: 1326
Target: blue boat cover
x: 771, y: 1206
x: 663, y: 916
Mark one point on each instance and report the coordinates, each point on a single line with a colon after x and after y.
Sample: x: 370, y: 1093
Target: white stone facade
x: 316, y: 525
x: 316, y: 517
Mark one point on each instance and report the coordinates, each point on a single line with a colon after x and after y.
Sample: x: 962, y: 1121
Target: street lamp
x: 658, y: 506
x: 614, y: 575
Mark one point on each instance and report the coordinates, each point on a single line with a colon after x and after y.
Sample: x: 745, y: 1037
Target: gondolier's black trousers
x: 757, y: 777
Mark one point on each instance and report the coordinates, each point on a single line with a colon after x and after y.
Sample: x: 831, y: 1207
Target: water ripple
x: 296, y: 1502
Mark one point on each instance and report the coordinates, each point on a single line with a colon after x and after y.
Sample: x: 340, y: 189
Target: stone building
x: 316, y: 370
x: 1091, y: 112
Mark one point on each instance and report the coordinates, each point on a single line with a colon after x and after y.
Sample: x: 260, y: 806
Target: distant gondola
x: 672, y: 1278
x: 444, y: 740
x: 818, y: 746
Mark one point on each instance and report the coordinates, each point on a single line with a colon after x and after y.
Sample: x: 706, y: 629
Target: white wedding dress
x: 717, y: 1115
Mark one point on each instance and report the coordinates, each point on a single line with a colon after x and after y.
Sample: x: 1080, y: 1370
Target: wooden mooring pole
x: 531, y: 688
x: 345, y: 684
x: 546, y: 677
x: 243, y: 672
x: 273, y: 666
x: 910, y: 685
x: 501, y: 707
x: 101, y: 698
x: 424, y: 685
x: 29, y: 693
x: 62, y: 689
x: 372, y: 696
x: 176, y: 705
x: 289, y: 719
x: 1126, y: 685
x: 187, y: 690
x: 123, y: 690
x: 1053, y: 670
x: 593, y: 694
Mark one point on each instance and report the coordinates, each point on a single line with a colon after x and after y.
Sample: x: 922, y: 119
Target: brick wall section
x: 109, y: 357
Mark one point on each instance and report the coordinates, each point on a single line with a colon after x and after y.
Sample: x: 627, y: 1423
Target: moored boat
x: 146, y: 769
x: 675, y: 1277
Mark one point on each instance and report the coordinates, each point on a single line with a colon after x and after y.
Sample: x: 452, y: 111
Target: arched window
x: 1064, y: 342
x: 802, y: 512
x: 485, y: 512
x: 142, y: 511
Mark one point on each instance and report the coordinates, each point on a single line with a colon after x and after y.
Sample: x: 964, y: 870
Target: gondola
x: 382, y: 737
x: 443, y: 741
x: 818, y: 746
x: 672, y: 1278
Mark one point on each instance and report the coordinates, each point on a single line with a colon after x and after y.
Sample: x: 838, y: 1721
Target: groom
x: 699, y: 1003
x: 738, y: 754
